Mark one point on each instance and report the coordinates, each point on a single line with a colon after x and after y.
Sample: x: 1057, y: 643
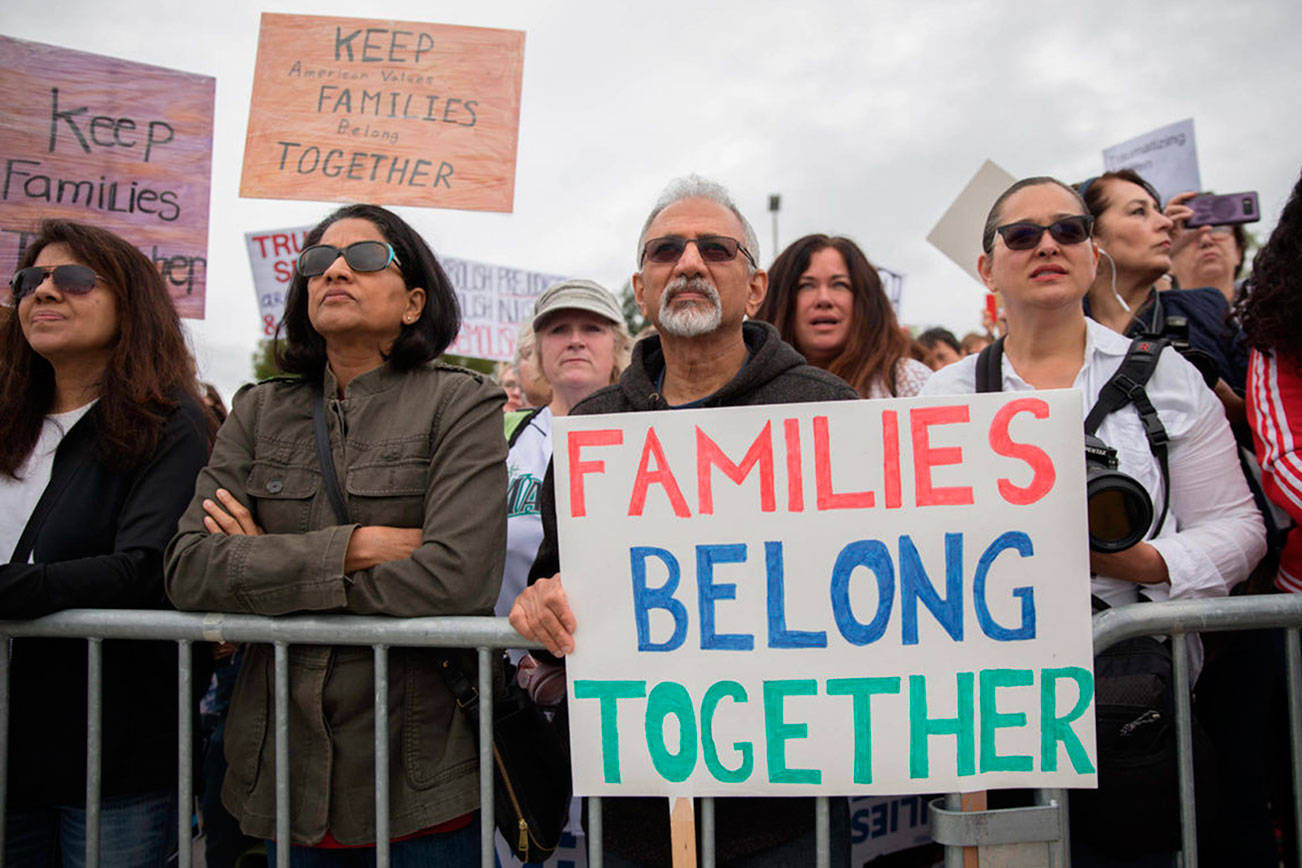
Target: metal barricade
x: 1046, y: 821
x: 481, y: 633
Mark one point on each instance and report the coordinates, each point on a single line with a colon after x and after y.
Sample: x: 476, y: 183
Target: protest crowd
x: 372, y: 478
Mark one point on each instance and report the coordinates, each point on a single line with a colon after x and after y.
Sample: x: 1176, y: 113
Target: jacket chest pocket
x: 282, y: 496
x: 389, y: 493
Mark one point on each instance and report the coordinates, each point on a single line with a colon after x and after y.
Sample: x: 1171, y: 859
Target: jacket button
x: 275, y: 486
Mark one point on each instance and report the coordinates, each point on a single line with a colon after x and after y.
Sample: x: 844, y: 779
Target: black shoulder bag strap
x: 458, y: 684
x: 990, y: 368
x: 329, y: 478
x: 1126, y: 386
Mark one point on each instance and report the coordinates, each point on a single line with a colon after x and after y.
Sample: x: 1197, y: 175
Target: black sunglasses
x: 360, y: 256
x: 713, y: 248
x: 1023, y: 235
x: 72, y: 279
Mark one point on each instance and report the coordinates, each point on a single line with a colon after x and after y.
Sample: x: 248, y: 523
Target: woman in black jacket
x: 101, y: 438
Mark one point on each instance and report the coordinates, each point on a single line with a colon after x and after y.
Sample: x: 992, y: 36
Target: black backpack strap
x: 990, y: 368
x: 520, y: 420
x: 329, y: 477
x: 1126, y: 386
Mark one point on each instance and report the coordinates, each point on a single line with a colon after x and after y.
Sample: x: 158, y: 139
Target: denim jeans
x: 135, y: 832
x: 450, y: 848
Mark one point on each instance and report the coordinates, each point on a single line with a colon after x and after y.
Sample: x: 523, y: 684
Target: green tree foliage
x: 632, y: 313
x: 264, y: 361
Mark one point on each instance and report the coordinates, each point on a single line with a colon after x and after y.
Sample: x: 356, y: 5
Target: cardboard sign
x: 272, y: 255
x: 958, y: 232
x: 120, y: 145
x: 1166, y: 157
x: 879, y: 597
x: 494, y: 299
x: 394, y: 112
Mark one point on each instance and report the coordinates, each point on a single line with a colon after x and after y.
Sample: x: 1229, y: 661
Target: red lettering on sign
x: 579, y: 468
x: 925, y: 457
x: 661, y: 476
x: 1039, y: 461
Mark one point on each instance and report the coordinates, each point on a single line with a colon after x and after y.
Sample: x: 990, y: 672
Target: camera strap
x: 1126, y: 386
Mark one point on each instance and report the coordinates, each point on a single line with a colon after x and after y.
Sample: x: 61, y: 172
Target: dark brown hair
x: 1271, y: 309
x: 1092, y: 190
x: 303, y: 350
x: 149, y: 367
x: 875, y: 343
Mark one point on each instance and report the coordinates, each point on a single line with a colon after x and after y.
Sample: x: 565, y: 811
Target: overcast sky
x: 868, y: 118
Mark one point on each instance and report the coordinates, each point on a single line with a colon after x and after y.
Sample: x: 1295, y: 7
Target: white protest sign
x: 957, y: 233
x: 272, y: 255
x: 494, y: 299
x: 839, y: 598
x: 1166, y: 157
x: 880, y: 825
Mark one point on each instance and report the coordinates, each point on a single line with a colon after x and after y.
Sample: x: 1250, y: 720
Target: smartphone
x: 1210, y: 210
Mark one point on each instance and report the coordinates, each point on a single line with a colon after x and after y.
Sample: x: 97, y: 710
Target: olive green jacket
x: 422, y: 448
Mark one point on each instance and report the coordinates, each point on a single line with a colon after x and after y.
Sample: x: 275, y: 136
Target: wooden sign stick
x: 682, y: 832
x: 973, y: 802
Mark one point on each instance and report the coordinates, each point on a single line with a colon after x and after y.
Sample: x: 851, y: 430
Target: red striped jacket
x: 1274, y: 405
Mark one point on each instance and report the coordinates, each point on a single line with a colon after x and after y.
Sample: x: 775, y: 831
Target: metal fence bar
x: 184, y: 748
x: 462, y: 631
x: 1293, y: 658
x: 1060, y: 850
x: 283, y: 841
x: 1195, y: 616
x: 595, y: 836
x: 1184, y: 750
x: 4, y: 738
x: 94, y: 741
x: 953, y: 855
x: 822, y: 833
x: 381, y: 756
x: 707, y: 832
x: 487, y: 824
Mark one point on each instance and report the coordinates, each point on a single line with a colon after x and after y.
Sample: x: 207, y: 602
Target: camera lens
x: 1119, y: 510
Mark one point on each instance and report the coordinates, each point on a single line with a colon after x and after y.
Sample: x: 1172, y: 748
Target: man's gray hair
x: 696, y: 187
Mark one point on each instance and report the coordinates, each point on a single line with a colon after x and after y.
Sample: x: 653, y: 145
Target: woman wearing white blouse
x: 1040, y: 257
x: 1212, y: 535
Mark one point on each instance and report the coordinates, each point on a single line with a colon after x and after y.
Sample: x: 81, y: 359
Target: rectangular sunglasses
x: 360, y: 256
x: 72, y: 279
x: 713, y: 248
x: 1023, y: 235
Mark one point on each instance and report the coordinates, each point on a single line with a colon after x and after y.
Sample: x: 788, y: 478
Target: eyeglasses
x: 712, y: 248
x: 1023, y: 235
x: 72, y: 279
x: 360, y: 256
